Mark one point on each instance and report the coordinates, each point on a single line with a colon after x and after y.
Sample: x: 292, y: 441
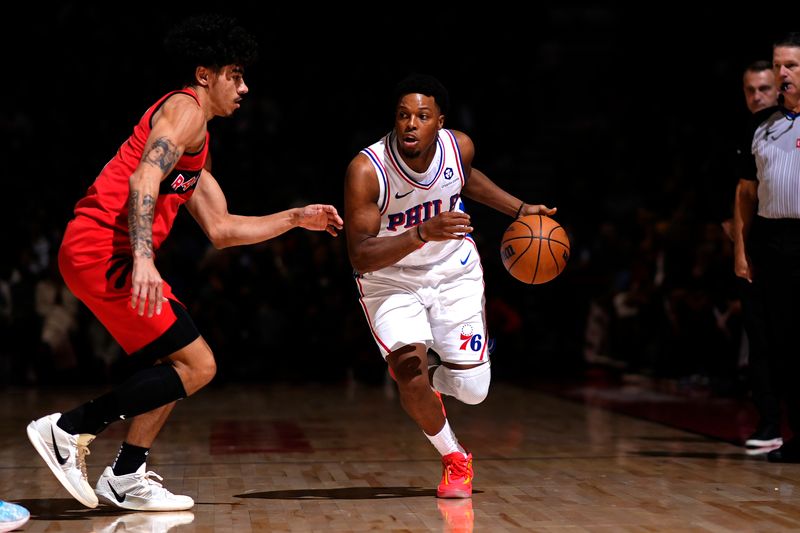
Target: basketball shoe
x: 65, y: 454
x: 139, y: 491
x: 458, y: 515
x: 12, y: 516
x: 764, y: 437
x: 456, y: 476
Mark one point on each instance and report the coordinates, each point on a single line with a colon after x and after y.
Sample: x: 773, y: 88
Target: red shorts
x: 98, y: 273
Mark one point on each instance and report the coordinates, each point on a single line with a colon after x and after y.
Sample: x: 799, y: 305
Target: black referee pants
x: 774, y: 246
x: 761, y: 371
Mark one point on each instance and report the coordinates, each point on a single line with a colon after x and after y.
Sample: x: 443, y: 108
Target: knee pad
x: 469, y: 385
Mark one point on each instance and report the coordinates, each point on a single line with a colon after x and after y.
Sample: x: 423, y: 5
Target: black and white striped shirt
x: 775, y: 162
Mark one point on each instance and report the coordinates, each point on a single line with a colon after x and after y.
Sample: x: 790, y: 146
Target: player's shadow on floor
x: 347, y: 493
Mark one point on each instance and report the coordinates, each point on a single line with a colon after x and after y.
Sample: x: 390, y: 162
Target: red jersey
x: 106, y: 201
x: 95, y: 255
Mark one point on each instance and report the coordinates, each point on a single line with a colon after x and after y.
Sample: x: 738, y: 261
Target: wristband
x: 419, y: 234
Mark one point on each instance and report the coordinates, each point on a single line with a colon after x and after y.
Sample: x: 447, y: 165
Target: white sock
x: 445, y: 441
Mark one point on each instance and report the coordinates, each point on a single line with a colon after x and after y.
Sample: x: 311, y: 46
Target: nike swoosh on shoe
x: 117, y: 496
x: 61, y: 460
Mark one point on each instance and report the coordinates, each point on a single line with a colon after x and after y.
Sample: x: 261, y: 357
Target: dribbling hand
x: 536, y: 209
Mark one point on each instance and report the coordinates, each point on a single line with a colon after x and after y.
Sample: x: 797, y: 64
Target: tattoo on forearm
x: 162, y: 154
x: 140, y: 224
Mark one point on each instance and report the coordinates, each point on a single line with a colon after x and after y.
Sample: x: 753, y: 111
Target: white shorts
x: 439, y: 305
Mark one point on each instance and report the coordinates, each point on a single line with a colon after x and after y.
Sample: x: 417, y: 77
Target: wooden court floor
x: 346, y: 458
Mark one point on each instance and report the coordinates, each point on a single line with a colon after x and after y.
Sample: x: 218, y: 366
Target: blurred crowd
x: 649, y: 286
x: 652, y: 296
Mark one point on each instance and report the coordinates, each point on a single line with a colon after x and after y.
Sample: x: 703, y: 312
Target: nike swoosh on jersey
x: 464, y: 261
x: 398, y: 195
x: 61, y: 460
x: 117, y: 496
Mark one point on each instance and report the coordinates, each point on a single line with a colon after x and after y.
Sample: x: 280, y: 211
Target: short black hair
x: 423, y: 84
x: 791, y: 39
x: 759, y: 66
x: 209, y: 40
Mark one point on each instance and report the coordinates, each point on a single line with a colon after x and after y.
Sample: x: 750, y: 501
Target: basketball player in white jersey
x: 418, y: 272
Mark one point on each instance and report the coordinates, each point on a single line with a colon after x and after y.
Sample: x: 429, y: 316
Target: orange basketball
x: 535, y: 249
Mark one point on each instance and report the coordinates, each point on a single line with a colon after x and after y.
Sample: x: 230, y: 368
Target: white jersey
x: 408, y: 198
x: 434, y: 295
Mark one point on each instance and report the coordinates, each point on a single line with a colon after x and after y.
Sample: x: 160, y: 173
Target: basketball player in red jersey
x: 107, y: 259
x: 419, y: 276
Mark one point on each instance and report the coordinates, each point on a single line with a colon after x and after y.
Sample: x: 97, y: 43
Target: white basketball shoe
x: 140, y: 491
x: 65, y: 454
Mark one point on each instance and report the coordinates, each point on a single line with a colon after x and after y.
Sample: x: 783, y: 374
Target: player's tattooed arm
x: 162, y: 154
x: 140, y: 224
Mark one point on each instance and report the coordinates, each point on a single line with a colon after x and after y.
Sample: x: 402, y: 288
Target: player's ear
x: 201, y: 75
x: 441, y: 121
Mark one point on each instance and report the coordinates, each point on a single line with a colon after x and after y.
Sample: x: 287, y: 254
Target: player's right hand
x: 446, y: 225
x: 147, y: 287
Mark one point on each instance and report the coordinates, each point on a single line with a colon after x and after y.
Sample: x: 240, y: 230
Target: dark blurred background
x: 624, y: 120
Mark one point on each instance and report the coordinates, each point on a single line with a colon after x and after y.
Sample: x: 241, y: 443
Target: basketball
x: 535, y: 249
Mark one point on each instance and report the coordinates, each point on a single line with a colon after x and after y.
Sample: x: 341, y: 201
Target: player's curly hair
x: 209, y: 40
x: 423, y: 84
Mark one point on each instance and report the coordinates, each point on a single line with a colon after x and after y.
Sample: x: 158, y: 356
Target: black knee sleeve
x: 146, y: 390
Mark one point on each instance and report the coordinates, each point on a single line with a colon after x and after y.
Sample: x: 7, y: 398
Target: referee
x: 767, y: 229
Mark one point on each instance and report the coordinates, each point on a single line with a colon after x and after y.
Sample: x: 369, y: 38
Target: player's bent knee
x: 470, y: 385
x: 196, y: 368
x: 207, y: 371
x: 405, y: 365
x: 407, y: 369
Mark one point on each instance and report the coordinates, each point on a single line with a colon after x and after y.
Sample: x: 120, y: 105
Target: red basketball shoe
x: 456, y: 476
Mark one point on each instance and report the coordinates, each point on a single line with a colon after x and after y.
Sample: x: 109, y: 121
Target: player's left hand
x: 320, y: 217
x: 537, y: 209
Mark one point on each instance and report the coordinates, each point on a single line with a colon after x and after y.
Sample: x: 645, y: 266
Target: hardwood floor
x: 338, y: 458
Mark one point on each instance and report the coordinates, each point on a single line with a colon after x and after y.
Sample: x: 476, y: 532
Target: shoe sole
x: 11, y: 526
x: 110, y: 500
x: 41, y: 447
x: 755, y: 443
x: 138, y: 504
x: 456, y: 494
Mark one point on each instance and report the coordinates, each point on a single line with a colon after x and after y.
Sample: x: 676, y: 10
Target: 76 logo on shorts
x: 473, y: 340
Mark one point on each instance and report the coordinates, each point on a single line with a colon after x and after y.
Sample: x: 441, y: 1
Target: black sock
x: 129, y: 459
x: 144, y: 391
